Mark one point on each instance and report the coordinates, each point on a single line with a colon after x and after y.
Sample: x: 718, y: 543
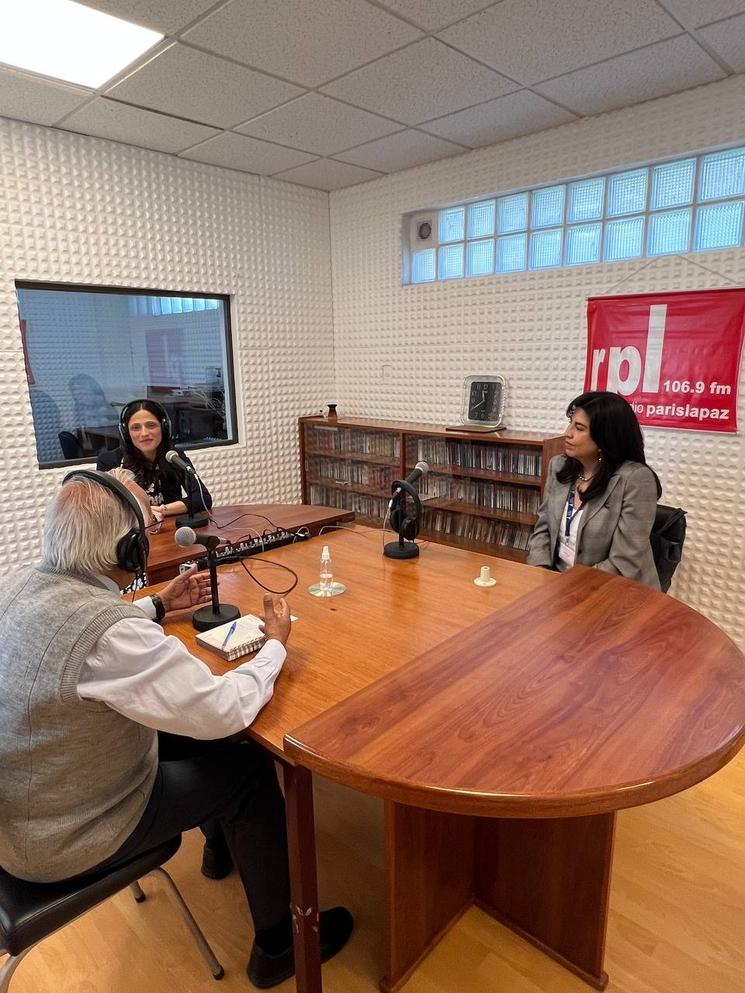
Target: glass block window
x: 511, y: 253
x: 669, y: 232
x: 722, y: 175
x: 627, y: 192
x: 586, y: 200
x: 624, y: 239
x: 451, y: 222
x: 583, y: 244
x: 481, y: 219
x: 545, y: 249
x: 719, y: 226
x: 480, y: 258
x: 672, y: 184
x: 547, y: 208
x: 692, y: 204
x: 423, y: 266
x: 450, y: 262
x: 513, y: 213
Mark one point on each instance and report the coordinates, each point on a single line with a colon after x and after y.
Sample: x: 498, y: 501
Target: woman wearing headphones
x: 145, y: 430
x: 601, y: 496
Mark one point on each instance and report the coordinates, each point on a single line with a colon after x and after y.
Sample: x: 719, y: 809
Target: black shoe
x: 216, y: 862
x: 265, y: 970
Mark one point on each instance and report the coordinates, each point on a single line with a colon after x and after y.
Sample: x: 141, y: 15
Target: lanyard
x: 570, y: 510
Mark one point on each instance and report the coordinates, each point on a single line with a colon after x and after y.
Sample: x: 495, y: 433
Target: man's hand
x: 276, y: 623
x: 186, y: 590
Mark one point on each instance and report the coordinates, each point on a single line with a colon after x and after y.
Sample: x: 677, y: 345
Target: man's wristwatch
x: 160, y: 610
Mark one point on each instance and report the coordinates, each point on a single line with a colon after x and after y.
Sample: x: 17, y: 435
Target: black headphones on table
x: 403, y: 523
x: 131, y: 408
x: 133, y: 547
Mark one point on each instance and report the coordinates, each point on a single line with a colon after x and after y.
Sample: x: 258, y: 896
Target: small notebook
x: 246, y: 638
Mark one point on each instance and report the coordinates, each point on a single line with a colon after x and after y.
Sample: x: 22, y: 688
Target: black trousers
x: 230, y: 790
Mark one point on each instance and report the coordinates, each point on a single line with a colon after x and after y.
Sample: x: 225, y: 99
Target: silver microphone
x: 173, y: 458
x: 419, y: 470
x: 185, y: 536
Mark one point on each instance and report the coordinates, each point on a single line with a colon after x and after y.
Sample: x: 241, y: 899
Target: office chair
x: 71, y: 447
x: 667, y: 537
x: 30, y: 912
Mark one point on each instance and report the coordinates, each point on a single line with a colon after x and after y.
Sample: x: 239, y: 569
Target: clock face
x: 484, y: 402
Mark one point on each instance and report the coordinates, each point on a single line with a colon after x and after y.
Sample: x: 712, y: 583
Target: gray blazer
x: 613, y: 532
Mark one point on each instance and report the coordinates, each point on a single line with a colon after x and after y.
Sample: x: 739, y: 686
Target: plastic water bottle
x: 326, y: 578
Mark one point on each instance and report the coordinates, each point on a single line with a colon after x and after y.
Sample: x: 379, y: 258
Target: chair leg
x: 137, y: 892
x: 6, y: 973
x: 202, y: 944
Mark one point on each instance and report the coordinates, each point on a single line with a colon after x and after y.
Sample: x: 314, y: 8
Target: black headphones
x: 162, y: 415
x: 403, y: 523
x: 133, y: 547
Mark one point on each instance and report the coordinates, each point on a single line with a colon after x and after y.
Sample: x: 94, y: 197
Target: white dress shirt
x: 152, y: 679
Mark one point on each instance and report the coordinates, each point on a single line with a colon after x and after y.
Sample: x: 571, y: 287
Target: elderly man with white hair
x: 114, y: 738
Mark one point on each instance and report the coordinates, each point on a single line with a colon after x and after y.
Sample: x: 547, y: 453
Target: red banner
x: 674, y: 356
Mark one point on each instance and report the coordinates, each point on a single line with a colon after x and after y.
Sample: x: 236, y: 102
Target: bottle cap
x: 325, y: 554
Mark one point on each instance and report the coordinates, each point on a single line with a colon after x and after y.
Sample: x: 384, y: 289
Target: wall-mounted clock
x: 483, y: 401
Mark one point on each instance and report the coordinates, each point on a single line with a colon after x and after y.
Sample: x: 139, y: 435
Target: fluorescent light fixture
x: 68, y: 41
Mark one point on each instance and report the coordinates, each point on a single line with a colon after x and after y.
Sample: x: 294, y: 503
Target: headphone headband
x: 133, y: 547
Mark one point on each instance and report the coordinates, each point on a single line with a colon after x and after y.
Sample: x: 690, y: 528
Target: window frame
x: 57, y: 287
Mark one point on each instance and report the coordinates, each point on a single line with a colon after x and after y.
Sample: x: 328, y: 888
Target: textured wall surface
x: 82, y: 210
x: 403, y: 351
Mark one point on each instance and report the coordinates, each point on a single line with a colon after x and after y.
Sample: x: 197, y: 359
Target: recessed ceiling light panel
x: 66, y: 40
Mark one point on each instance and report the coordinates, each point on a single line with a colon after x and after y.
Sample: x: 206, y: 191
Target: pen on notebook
x: 231, y: 632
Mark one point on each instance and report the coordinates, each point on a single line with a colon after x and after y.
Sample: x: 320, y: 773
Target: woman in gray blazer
x: 601, y: 496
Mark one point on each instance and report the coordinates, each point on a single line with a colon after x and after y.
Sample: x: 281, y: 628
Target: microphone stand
x: 403, y: 549
x: 191, y: 520
x: 215, y: 614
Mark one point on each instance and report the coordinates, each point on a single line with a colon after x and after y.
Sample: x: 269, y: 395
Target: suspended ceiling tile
x: 431, y: 15
x: 727, y: 39
x: 201, y: 87
x: 309, y: 42
x: 650, y: 72
x: 235, y: 151
x: 327, y: 174
x: 498, y: 120
x: 423, y: 81
x: 318, y: 124
x: 26, y: 98
x: 530, y: 40
x: 135, y: 126
x: 693, y: 13
x: 401, y: 151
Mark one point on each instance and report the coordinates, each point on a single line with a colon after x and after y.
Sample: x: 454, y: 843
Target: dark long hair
x: 146, y: 472
x: 615, y: 430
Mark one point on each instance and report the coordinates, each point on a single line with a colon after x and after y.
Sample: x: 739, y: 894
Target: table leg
x: 429, y: 860
x: 303, y: 880
x: 549, y: 881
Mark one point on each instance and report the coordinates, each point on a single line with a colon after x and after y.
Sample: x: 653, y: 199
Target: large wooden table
x: 233, y: 523
x: 503, y: 727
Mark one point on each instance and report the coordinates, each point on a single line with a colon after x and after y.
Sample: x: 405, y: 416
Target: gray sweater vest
x: 75, y: 776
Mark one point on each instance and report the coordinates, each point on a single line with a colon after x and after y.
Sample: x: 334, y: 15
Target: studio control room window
x: 90, y: 350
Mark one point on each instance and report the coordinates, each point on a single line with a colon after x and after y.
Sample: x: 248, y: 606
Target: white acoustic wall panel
x: 84, y: 210
x: 403, y: 351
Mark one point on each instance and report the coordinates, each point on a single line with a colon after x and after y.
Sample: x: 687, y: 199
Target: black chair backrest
x: 71, y: 447
x: 667, y: 537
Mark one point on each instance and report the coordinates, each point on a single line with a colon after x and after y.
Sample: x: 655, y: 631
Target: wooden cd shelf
x: 481, y: 492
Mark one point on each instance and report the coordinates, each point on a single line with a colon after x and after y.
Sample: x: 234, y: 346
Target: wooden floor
x: 677, y: 922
